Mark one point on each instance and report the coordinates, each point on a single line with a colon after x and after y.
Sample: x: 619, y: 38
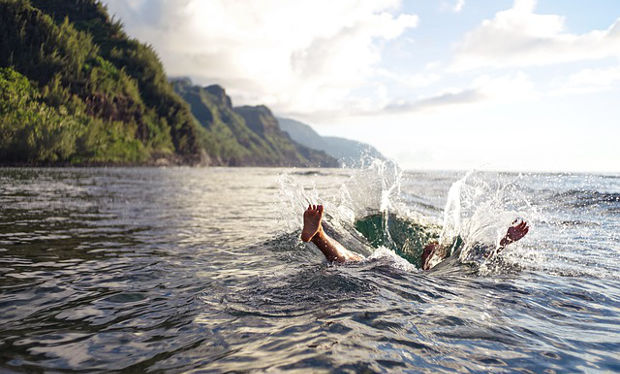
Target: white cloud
x: 593, y: 80
x: 454, y: 6
x: 302, y: 56
x: 412, y: 81
x: 458, y: 6
x: 506, y: 88
x: 520, y: 37
x: 485, y: 88
x: 441, y: 100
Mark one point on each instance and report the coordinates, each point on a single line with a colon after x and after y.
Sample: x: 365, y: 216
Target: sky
x: 518, y: 85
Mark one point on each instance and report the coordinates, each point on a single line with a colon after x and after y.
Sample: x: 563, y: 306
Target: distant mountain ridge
x: 348, y: 152
x: 247, y: 135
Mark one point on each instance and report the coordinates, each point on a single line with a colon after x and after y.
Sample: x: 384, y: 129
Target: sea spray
x: 376, y: 189
x: 360, y: 192
x: 452, y: 213
x: 478, y: 209
x: 369, y: 199
x: 294, y: 199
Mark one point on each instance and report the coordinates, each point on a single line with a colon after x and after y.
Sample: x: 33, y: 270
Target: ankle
x: 318, y: 236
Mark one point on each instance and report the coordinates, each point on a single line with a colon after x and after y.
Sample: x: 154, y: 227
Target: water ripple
x: 192, y: 270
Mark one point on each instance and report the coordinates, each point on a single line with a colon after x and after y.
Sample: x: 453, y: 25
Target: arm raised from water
x: 514, y: 233
x: 434, y: 253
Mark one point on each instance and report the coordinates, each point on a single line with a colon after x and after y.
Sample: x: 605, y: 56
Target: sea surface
x: 201, y: 270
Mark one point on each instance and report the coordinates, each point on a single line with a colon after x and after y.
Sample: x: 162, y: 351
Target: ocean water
x: 201, y: 270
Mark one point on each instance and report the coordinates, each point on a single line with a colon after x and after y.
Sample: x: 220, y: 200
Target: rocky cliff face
x: 245, y: 136
x: 260, y: 119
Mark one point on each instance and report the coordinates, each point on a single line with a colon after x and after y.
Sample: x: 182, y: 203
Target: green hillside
x: 245, y: 135
x: 76, y: 89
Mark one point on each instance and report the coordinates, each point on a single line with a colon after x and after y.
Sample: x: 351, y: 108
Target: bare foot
x: 312, y: 222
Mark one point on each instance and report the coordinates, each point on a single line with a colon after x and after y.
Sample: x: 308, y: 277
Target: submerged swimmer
x: 433, y: 252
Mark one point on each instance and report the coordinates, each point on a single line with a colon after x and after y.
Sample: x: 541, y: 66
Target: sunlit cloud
x: 413, y: 81
x: 458, y: 6
x: 511, y: 87
x: 303, y: 56
x: 592, y: 80
x: 519, y: 37
x: 442, y: 100
x: 455, y: 6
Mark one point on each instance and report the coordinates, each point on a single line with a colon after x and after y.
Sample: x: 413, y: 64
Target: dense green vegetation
x: 76, y: 89
x: 33, y: 130
x: 245, y: 135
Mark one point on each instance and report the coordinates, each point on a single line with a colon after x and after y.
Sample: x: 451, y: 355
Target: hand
x: 517, y: 231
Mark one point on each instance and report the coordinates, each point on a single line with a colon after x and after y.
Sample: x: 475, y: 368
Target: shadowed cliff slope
x: 245, y: 135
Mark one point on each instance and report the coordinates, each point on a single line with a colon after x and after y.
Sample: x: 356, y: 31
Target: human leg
x: 313, y: 231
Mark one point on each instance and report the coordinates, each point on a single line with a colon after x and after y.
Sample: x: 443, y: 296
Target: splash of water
x: 479, y: 207
x: 376, y: 188
x: 371, y: 191
x: 452, y: 213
